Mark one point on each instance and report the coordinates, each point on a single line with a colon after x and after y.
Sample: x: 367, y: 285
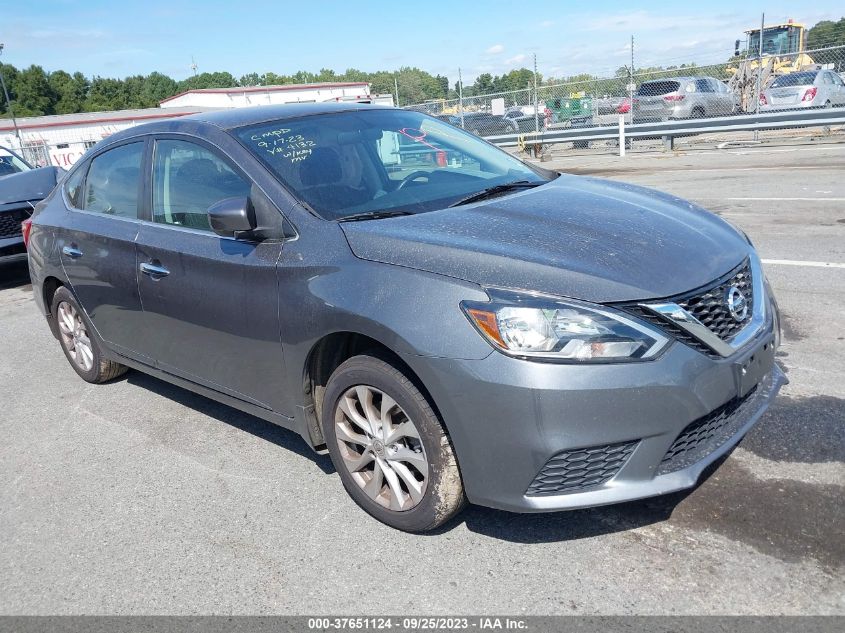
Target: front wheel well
x: 327, y: 355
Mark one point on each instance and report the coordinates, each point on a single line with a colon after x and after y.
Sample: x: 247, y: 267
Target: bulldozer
x: 781, y: 51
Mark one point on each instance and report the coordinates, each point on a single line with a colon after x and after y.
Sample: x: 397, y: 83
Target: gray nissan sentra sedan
x: 447, y: 322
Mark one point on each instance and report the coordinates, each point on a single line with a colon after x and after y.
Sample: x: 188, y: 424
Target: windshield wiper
x: 496, y: 189
x: 373, y: 215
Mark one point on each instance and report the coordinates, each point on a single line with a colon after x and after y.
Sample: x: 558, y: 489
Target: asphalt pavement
x: 138, y: 497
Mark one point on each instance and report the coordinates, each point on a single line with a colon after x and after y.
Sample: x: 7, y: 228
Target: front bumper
x: 509, y: 417
x: 12, y: 249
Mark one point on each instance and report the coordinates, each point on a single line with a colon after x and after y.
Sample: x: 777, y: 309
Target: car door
x: 836, y: 88
x: 723, y: 99
x: 211, y: 311
x: 97, y: 243
x: 705, y: 94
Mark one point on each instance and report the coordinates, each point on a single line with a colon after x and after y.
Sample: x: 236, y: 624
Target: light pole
x: 9, y: 103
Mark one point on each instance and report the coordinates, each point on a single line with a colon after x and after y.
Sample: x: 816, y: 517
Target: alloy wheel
x: 381, y: 448
x: 75, y: 336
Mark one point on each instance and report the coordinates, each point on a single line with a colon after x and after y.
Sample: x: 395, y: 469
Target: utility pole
x: 760, y: 61
x: 631, y: 83
x: 759, y: 71
x: 461, y: 97
x: 9, y: 103
x: 536, y: 112
x: 396, y: 88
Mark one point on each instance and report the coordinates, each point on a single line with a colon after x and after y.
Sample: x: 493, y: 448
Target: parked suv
x: 682, y: 98
x: 448, y: 323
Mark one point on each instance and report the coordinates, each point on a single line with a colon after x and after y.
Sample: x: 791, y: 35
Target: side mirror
x: 232, y: 217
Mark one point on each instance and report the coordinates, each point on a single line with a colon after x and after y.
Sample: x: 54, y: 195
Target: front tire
x: 80, y: 345
x: 389, y: 447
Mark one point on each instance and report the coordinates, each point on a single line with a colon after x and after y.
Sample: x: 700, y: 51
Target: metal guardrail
x: 668, y: 130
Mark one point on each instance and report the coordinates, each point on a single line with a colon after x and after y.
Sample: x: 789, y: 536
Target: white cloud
x: 495, y: 49
x: 516, y: 59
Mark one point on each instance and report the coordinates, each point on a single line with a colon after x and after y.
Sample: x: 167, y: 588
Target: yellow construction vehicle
x: 785, y: 43
x: 783, y: 51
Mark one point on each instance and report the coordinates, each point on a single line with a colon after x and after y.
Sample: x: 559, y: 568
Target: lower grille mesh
x: 580, y: 469
x: 702, y: 436
x: 10, y: 222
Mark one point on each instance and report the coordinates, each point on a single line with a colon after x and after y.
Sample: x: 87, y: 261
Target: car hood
x: 575, y: 237
x: 31, y: 185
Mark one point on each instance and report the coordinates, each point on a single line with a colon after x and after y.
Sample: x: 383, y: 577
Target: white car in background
x: 804, y: 89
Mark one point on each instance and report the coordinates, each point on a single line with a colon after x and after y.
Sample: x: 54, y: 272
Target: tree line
x: 36, y: 92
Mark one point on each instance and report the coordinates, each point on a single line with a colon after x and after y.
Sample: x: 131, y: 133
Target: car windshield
x: 794, y: 79
x: 10, y: 163
x: 380, y: 160
x: 657, y: 88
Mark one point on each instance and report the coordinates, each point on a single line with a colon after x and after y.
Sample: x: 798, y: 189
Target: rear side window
x: 73, y: 187
x: 657, y: 88
x: 113, y: 181
x: 187, y: 179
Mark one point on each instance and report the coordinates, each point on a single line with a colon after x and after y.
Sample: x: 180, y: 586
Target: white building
x: 272, y: 95
x: 61, y: 139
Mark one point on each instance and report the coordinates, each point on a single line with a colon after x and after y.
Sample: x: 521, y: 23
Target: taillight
x: 763, y: 100
x: 810, y: 94
x: 674, y: 97
x: 26, y: 229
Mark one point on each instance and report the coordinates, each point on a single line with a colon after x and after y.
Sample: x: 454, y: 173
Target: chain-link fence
x: 743, y: 85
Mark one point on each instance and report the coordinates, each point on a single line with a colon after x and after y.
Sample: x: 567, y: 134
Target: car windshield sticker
x: 281, y: 143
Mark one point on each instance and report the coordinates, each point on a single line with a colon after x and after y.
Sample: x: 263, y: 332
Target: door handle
x: 154, y: 271
x: 72, y: 252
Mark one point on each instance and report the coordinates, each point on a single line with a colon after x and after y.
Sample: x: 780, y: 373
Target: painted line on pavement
x: 787, y: 199
x: 796, y: 262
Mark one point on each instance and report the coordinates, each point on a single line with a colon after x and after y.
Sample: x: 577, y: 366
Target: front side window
x: 10, y: 163
x: 376, y: 160
x: 187, y: 180
x: 113, y: 181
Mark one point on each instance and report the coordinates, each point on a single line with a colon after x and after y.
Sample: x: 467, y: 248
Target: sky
x: 116, y: 39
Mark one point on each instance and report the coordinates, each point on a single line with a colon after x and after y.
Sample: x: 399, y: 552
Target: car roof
x: 238, y: 117
x: 232, y: 118
x: 684, y: 78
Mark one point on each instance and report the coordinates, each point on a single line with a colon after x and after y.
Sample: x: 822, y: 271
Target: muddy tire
x: 389, y: 447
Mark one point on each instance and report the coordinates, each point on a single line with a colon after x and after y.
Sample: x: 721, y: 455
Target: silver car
x: 682, y: 98
x: 805, y: 89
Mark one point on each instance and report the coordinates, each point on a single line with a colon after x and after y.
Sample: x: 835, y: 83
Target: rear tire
x: 698, y: 113
x: 389, y: 447
x: 78, y: 341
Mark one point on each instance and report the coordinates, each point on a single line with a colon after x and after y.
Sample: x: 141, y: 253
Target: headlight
x: 544, y: 327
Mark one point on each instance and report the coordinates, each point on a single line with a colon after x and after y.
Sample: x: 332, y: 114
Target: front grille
x: 704, y: 435
x: 708, y: 305
x: 10, y: 221
x: 580, y: 469
x: 711, y: 308
x: 671, y: 328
